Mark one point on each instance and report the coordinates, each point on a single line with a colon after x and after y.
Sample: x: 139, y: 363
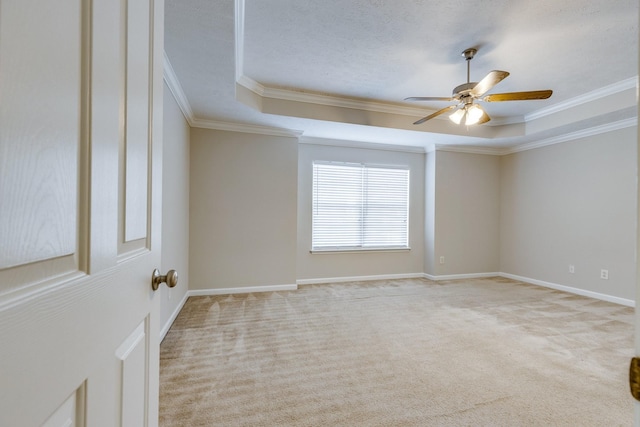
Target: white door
x: 80, y: 158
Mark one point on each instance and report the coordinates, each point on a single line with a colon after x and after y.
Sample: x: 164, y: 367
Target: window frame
x: 364, y: 206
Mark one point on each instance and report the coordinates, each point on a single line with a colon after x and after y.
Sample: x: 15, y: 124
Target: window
x: 360, y: 207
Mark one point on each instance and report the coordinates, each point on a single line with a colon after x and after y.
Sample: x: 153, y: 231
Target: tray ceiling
x: 340, y: 70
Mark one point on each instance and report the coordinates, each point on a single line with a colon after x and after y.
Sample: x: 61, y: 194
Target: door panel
x: 136, y: 120
x: 44, y: 111
x: 40, y: 140
x: 81, y: 90
x: 133, y: 368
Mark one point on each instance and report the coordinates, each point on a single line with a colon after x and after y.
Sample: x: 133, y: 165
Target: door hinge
x: 634, y: 377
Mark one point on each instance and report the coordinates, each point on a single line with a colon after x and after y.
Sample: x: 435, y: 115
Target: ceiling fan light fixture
x: 470, y: 114
x: 474, y: 114
x: 457, y: 115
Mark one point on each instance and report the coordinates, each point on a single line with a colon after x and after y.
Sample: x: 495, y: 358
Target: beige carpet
x: 482, y: 352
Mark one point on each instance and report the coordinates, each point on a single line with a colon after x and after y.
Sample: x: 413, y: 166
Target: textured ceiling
x: 303, y: 60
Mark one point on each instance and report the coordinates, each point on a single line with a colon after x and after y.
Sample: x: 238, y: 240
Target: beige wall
x: 175, y: 205
x: 340, y: 265
x: 572, y: 203
x: 467, y: 213
x: 528, y: 214
x: 243, y: 212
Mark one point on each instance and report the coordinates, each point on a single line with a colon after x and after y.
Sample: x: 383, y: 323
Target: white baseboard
x: 172, y: 318
x: 577, y: 291
x: 241, y: 290
x: 459, y: 276
x: 359, y: 278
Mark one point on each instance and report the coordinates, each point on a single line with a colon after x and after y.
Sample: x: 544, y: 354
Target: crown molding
x: 502, y: 121
x: 312, y: 140
x: 336, y: 101
x: 584, y: 133
x: 467, y: 149
x: 245, y: 128
x: 252, y: 85
x: 572, y: 136
x: 176, y: 89
x: 621, y: 86
x: 181, y: 99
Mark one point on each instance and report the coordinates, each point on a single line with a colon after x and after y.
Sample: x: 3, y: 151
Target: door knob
x: 171, y: 279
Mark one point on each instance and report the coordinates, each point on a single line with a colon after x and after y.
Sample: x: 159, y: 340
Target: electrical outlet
x: 572, y: 268
x: 441, y: 260
x: 604, y: 274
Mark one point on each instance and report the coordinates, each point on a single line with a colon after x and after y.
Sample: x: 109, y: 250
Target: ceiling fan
x: 466, y: 110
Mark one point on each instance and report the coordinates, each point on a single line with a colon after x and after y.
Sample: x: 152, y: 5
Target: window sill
x: 356, y: 251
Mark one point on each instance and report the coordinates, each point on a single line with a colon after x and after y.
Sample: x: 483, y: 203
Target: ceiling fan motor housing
x: 463, y: 91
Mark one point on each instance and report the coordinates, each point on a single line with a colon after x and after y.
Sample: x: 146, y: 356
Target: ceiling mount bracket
x: 469, y: 53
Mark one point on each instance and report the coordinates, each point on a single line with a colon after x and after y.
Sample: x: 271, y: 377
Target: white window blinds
x: 357, y: 206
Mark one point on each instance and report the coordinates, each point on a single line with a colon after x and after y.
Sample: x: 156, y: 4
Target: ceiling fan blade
x: 428, y: 98
x: 436, y: 114
x: 490, y: 80
x: 518, y: 96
